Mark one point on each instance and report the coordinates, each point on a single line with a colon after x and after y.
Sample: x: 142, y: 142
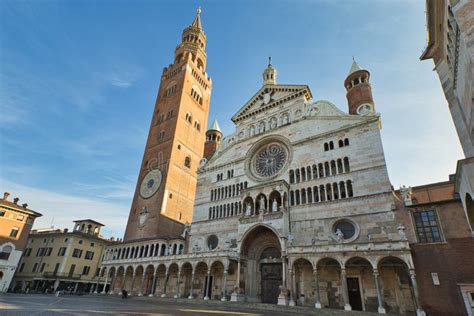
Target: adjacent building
x: 59, y: 259
x: 451, y: 46
x: 16, y: 222
x: 442, y: 247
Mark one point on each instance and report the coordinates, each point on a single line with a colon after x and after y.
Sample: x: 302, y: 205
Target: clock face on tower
x: 150, y: 183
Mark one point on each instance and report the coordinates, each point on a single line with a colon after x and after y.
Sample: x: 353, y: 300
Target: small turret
x: 213, y: 140
x: 269, y: 74
x: 359, y: 91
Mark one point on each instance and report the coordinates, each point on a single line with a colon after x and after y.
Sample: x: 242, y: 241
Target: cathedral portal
x: 263, y: 266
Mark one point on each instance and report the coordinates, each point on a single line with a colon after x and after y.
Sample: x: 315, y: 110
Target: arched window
x: 187, y: 162
x: 331, y: 145
x: 5, y: 253
x: 326, y: 147
x: 322, y: 194
x: 315, y: 194
x: 342, y: 189
x: 328, y: 192
x: 347, y: 168
x: 303, y: 174
x: 321, y: 170
x: 341, y: 143
x: 303, y: 196
x: 308, y: 173
x: 333, y: 168
x: 210, y: 212
x: 297, y: 196
x: 297, y: 172
x: 292, y: 198
x: 339, y: 166
x: 346, y: 142
x: 349, y: 188
x: 335, y: 190
x: 326, y: 169
x: 309, y: 194
x: 292, y: 176
x: 315, y: 171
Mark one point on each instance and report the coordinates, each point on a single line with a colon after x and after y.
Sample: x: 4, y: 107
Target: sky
x: 78, y: 83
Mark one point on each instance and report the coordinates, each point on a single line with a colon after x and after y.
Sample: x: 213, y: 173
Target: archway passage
x: 263, y: 270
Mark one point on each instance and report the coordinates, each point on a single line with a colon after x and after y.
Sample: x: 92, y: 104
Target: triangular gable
x: 279, y: 94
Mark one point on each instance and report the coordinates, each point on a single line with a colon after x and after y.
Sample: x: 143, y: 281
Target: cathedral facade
x: 294, y: 207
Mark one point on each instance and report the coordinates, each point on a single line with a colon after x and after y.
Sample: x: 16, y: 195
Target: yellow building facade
x: 62, y: 260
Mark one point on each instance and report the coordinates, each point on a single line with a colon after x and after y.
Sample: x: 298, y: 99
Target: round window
x: 269, y: 160
x: 212, y: 242
x: 346, y: 228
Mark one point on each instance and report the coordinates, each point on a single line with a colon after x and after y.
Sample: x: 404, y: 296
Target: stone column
x: 112, y: 284
x: 318, y: 294
x: 207, y: 285
x: 419, y: 309
x: 166, y: 283
x: 153, y: 284
x: 177, y: 284
x: 140, y: 292
x: 284, y: 279
x: 96, y: 286
x: 224, y: 286
x: 105, y: 283
x: 132, y: 284
x: 345, y: 293
x: 192, y: 285
x: 292, y: 288
x: 381, y: 309
x: 238, y: 275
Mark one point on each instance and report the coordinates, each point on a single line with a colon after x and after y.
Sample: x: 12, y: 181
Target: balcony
x: 57, y: 275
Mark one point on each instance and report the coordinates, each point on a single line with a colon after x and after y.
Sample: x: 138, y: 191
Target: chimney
x: 6, y: 195
x: 15, y: 200
x: 25, y: 205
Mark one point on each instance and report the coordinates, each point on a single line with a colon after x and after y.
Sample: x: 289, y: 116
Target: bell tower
x: 213, y: 140
x: 166, y: 186
x: 359, y: 91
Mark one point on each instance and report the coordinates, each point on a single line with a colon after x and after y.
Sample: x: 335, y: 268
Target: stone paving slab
x: 106, y: 305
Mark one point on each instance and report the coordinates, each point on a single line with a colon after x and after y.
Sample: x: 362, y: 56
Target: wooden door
x: 271, y: 280
x: 354, y: 294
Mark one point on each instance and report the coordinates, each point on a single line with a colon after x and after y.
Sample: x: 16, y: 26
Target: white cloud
x: 60, y: 209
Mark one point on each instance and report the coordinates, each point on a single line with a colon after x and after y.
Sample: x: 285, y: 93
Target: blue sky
x: 78, y: 82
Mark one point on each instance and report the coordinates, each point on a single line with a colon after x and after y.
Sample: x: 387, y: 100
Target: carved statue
x: 274, y: 205
x: 406, y: 192
x: 262, y: 204
x: 170, y: 250
x: 369, y: 237
x: 339, y: 235
x: 248, y: 209
x: 401, y: 232
x: 187, y: 227
x: 291, y: 240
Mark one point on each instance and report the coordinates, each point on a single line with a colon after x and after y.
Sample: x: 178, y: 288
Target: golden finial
x: 198, y: 11
x: 269, y: 61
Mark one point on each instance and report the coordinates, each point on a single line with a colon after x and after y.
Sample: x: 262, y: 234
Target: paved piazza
x: 36, y: 304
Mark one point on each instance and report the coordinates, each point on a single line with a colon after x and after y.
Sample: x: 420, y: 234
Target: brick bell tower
x: 164, y: 194
x: 359, y: 91
x: 213, y: 140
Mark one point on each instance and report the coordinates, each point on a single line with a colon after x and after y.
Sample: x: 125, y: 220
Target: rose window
x: 270, y: 160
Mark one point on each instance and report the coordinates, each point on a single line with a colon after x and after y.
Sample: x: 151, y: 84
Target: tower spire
x: 197, y: 19
x: 270, y: 73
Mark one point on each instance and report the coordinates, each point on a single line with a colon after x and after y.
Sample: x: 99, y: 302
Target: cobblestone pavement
x: 37, y: 304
